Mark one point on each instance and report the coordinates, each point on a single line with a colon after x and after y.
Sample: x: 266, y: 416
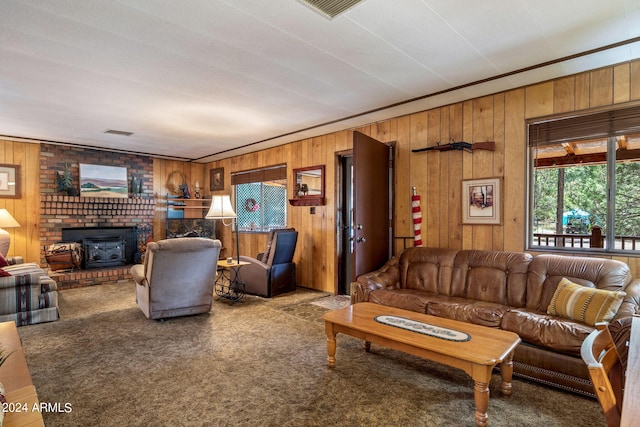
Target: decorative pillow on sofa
x: 3, y: 261
x: 584, y: 304
x: 4, y: 273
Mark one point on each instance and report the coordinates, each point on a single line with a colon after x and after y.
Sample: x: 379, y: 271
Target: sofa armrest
x: 631, y: 303
x: 137, y: 273
x: 387, y: 276
x: 22, y: 279
x: 13, y: 260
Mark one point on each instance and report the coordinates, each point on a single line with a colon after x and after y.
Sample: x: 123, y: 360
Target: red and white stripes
x: 417, y: 218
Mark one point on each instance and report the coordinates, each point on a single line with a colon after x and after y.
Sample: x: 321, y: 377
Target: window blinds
x: 270, y: 173
x: 602, y: 124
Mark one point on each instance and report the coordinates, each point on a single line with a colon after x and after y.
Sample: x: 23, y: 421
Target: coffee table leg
x: 367, y: 346
x: 506, y: 372
x: 481, y: 396
x: 331, y: 343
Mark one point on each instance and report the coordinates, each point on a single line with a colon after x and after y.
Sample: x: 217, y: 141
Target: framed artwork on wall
x: 216, y: 177
x: 481, y: 201
x: 103, y: 181
x: 10, y: 181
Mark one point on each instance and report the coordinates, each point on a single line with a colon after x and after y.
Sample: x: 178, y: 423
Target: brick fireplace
x: 61, y: 212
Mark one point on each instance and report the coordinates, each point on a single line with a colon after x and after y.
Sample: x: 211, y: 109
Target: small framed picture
x: 216, y: 177
x: 481, y: 201
x: 10, y: 181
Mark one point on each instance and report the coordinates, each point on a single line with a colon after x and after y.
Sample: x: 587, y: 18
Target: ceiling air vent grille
x: 118, y: 132
x: 330, y: 8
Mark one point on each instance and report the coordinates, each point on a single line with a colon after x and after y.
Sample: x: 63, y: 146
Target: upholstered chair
x: 177, y: 277
x: 273, y: 271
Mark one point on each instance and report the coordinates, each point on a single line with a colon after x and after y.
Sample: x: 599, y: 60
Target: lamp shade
x: 221, y: 208
x: 6, y: 220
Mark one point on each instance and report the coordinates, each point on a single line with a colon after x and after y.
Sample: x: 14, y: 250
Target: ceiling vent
x: 118, y: 132
x: 330, y: 8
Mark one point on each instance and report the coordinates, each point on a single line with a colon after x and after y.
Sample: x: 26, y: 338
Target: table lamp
x: 6, y: 221
x: 221, y: 209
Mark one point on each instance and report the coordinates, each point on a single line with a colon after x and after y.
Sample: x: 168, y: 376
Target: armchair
x: 177, y: 277
x: 27, y: 295
x: 273, y: 272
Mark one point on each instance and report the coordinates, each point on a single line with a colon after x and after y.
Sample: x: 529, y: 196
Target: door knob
x: 361, y: 239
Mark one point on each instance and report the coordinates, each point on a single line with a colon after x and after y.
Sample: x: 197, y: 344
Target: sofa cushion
x: 427, y: 269
x: 547, y: 270
x: 466, y: 310
x: 491, y: 276
x: 555, y: 333
x: 407, y: 299
x: 587, y: 305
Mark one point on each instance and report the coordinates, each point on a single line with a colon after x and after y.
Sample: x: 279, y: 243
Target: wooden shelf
x: 192, y: 208
x: 307, y: 201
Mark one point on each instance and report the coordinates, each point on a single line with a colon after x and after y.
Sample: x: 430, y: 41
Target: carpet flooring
x: 261, y: 362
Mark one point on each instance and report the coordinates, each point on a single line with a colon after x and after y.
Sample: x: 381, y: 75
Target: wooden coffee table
x: 474, y: 349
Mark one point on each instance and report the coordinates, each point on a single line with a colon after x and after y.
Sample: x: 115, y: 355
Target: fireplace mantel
x: 101, y: 206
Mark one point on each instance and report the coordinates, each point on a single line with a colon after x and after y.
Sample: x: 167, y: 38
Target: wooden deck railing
x: 594, y: 240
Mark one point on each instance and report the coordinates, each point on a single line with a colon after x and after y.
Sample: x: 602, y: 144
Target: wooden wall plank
x: 601, y: 87
x: 418, y: 166
x: 498, y: 237
x: 454, y: 176
x: 467, y: 167
x: 514, y: 182
x: 444, y: 211
x: 431, y: 233
x: 539, y: 100
x: 482, y: 161
x: 582, y: 94
x: 564, y: 94
x: 402, y: 184
x: 634, y: 79
x: 621, y: 83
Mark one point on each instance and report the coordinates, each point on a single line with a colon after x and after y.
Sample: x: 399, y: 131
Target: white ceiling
x: 207, y: 79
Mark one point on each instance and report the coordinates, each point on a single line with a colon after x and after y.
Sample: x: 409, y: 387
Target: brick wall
x: 59, y: 211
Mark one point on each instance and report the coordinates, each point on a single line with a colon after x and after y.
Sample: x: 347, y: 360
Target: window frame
x: 593, y: 124
x: 259, y: 176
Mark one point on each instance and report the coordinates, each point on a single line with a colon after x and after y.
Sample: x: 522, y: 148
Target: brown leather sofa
x: 506, y: 290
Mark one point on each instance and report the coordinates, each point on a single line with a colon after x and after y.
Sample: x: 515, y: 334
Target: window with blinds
x: 584, y: 172
x: 261, y: 198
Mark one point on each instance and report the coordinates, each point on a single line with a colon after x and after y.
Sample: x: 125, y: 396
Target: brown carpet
x: 261, y: 362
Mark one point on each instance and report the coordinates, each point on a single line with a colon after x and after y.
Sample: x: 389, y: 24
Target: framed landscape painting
x: 103, y: 181
x: 481, y: 201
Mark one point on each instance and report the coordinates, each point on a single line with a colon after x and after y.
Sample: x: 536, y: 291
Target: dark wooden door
x: 371, y: 203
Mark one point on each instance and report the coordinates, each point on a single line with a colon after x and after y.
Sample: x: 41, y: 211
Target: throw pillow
x: 584, y: 304
x: 3, y: 261
x: 4, y: 273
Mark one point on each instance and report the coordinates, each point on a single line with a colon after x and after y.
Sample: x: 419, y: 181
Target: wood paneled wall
x: 25, y: 240
x: 162, y: 170
x: 437, y: 175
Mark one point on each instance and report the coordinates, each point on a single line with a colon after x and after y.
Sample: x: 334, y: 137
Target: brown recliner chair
x: 177, y: 277
x: 273, y: 272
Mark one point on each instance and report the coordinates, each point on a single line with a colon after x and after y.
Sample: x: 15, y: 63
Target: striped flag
x: 417, y: 218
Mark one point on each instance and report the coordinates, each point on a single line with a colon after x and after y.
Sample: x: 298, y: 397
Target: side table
x: 228, y: 284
